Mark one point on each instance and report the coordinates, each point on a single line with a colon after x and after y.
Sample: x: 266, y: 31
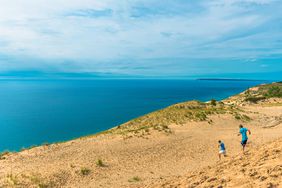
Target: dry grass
x: 134, y: 179
x: 24, y: 180
x: 179, y: 114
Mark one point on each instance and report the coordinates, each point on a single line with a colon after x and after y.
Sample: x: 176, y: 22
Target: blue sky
x: 165, y: 38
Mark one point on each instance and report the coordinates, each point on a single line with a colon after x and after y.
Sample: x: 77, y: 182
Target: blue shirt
x: 243, y: 132
x: 222, y: 147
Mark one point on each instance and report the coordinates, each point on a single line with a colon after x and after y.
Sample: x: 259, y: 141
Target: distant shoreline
x: 228, y: 79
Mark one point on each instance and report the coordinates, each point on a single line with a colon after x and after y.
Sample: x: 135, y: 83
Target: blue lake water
x: 34, y: 112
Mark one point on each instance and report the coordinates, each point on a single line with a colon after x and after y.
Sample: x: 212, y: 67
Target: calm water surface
x: 34, y: 112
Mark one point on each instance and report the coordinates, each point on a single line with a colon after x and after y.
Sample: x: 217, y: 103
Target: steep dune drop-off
x: 259, y: 167
x: 161, y: 148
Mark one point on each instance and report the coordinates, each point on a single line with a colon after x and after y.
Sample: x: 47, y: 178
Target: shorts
x: 222, y: 152
x: 244, y: 142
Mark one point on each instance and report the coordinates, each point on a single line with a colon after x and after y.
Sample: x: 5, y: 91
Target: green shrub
x: 165, y: 127
x: 213, y: 102
x: 100, y: 163
x: 85, y: 171
x: 254, y: 99
x: 237, y: 116
x: 2, y: 154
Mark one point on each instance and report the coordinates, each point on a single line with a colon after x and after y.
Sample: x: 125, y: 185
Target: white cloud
x: 98, y: 32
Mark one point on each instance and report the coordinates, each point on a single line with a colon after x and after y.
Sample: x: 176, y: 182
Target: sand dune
x: 259, y: 167
x: 158, y: 150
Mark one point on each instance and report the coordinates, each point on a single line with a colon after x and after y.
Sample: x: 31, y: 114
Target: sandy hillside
x: 161, y: 148
x: 259, y: 167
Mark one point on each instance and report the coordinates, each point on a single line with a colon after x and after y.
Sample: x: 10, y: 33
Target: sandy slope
x: 154, y: 159
x: 259, y: 167
x: 158, y: 159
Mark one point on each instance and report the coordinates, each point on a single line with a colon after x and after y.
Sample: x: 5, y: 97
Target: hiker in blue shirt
x: 222, y: 150
x: 243, y: 131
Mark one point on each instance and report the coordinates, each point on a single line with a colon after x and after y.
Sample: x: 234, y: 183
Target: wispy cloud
x: 177, y: 36
x: 91, y: 13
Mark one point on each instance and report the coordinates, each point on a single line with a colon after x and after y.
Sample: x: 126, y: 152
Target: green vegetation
x: 100, y: 163
x: 185, y: 112
x: 179, y: 114
x: 134, y: 179
x: 201, y: 115
x: 85, y: 171
x: 254, y: 99
x: 213, y: 102
x: 242, y: 117
x: 3, y: 154
x: 274, y: 91
x: 264, y: 92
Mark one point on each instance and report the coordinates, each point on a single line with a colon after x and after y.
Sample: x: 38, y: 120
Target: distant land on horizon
x: 35, y: 74
x: 229, y: 79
